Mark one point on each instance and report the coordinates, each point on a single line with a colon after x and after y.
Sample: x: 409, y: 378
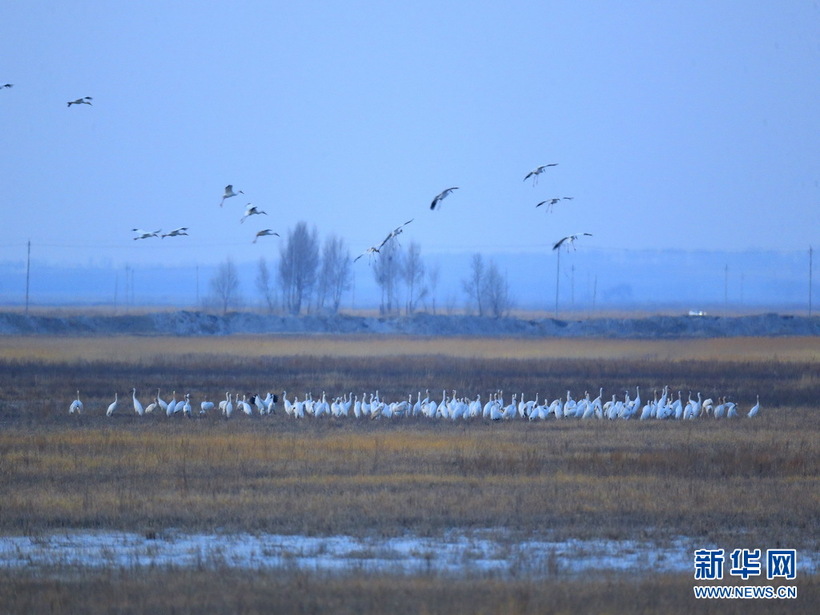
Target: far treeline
x: 311, y: 275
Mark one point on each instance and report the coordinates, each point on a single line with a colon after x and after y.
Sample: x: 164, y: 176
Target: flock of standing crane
x: 450, y: 407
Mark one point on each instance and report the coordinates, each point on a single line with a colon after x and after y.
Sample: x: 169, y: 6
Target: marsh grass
x: 226, y: 590
x: 734, y: 483
x: 572, y: 478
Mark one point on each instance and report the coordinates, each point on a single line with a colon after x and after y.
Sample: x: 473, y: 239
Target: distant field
x: 138, y: 349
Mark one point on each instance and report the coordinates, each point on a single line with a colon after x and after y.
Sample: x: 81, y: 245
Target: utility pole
x: 725, y: 290
x: 28, y: 270
x: 557, y: 279
x: 594, y: 292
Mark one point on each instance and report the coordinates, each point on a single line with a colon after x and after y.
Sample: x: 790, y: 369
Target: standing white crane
x: 252, y: 210
x: 186, y: 407
x: 224, y: 402
x: 752, y: 412
x: 171, y: 406
x: 537, y: 171
x: 229, y: 193
x: 137, y: 405
x: 113, y: 406
x: 76, y: 405
x: 441, y: 196
x: 85, y: 100
x: 162, y: 403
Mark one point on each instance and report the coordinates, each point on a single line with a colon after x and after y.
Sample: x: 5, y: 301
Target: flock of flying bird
x: 436, y: 204
x: 449, y: 407
x: 251, y: 210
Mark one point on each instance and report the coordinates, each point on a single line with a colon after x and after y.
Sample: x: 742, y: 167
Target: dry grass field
x: 745, y: 482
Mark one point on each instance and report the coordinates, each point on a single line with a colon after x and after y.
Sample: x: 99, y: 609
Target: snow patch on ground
x: 457, y: 553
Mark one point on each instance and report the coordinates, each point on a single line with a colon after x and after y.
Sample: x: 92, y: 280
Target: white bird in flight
x: 371, y: 251
x: 81, y: 101
x: 550, y: 202
x: 252, y: 210
x: 145, y: 234
x: 264, y: 233
x: 569, y: 240
x: 176, y: 232
x: 229, y: 193
x: 392, y: 234
x: 441, y: 195
x: 395, y: 232
x: 537, y: 171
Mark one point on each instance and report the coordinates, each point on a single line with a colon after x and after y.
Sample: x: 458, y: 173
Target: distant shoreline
x: 195, y: 324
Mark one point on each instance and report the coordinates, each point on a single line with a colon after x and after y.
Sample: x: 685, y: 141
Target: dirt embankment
x: 188, y: 323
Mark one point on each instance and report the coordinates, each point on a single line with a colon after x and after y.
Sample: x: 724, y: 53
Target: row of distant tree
x: 314, y: 276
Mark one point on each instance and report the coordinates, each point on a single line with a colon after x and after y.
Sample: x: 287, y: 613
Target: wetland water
x: 457, y: 552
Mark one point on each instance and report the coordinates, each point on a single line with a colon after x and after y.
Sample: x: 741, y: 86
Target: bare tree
x: 387, y: 270
x: 264, y: 286
x: 496, y: 292
x: 413, y: 275
x: 433, y: 274
x: 225, y: 286
x: 335, y: 274
x: 474, y: 284
x: 298, y: 264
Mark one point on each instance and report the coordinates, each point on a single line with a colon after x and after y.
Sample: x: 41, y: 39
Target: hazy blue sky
x: 675, y: 124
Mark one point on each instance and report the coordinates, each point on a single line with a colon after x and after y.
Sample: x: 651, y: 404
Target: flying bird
x: 264, y: 233
x: 391, y: 235
x: 176, y: 232
x: 550, y: 202
x: 81, y: 101
x: 229, y: 193
x: 371, y: 251
x: 537, y: 171
x: 145, y: 234
x: 440, y: 196
x: 569, y: 240
x: 252, y: 210
x: 7, y: 85
x: 395, y: 232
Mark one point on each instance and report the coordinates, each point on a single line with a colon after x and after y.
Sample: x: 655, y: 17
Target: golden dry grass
x: 142, y: 349
x: 622, y: 479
